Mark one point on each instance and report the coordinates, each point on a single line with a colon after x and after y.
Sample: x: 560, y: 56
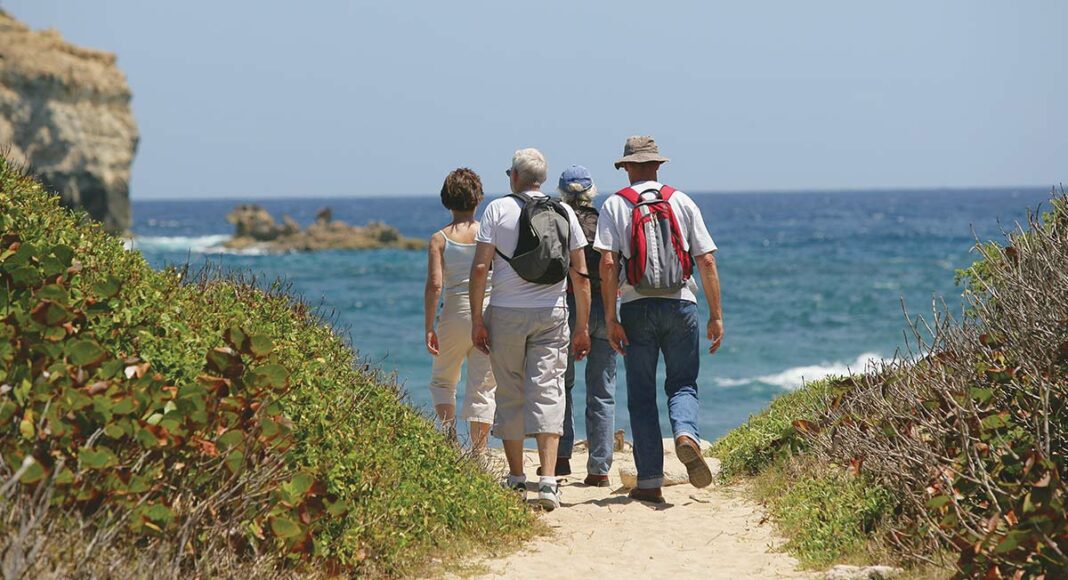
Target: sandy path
x: 600, y: 533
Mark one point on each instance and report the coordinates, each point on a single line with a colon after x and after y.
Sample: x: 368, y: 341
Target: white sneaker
x: 548, y: 496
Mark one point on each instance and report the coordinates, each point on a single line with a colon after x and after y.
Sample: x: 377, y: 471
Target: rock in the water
x: 252, y: 221
x: 65, y: 111
x: 843, y: 572
x: 256, y: 229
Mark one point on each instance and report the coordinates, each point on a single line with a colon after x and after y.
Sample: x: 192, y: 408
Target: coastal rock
x: 674, y: 470
x: 843, y: 572
x: 255, y: 228
x: 673, y: 475
x: 65, y: 112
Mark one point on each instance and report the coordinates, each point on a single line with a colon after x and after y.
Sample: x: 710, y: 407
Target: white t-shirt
x: 613, y: 235
x: 500, y: 226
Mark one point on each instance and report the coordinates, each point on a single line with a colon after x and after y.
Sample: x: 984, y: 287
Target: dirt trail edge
x: 599, y: 533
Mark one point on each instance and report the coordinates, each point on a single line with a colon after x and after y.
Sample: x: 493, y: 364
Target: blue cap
x: 575, y: 174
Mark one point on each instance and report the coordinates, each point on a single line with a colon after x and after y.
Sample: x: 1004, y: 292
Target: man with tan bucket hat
x: 641, y: 149
x: 650, y: 237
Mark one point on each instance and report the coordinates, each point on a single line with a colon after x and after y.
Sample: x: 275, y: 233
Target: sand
x: 600, y: 533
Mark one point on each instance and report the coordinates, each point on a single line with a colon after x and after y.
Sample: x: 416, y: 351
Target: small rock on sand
x: 674, y: 470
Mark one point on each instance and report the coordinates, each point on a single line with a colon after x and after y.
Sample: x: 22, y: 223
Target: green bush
x: 826, y: 514
x: 777, y: 431
x: 972, y: 437
x: 960, y: 450
x: 111, y: 434
x: 402, y: 492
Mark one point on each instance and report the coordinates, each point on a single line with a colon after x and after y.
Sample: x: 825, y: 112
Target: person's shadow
x: 619, y: 497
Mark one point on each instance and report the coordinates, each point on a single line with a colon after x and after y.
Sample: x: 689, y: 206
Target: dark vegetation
x: 953, y: 455
x: 165, y: 424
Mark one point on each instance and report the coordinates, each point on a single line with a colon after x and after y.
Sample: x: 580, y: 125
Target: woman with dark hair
x: 452, y: 249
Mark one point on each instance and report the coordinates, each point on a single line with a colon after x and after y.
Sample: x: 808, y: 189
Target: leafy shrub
x: 350, y: 475
x: 972, y: 435
x: 109, y: 430
x: 777, y: 431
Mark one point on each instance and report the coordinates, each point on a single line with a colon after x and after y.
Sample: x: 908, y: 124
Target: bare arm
x: 432, y: 293
x: 609, y: 271
x: 617, y: 338
x: 706, y: 265
x: 479, y: 274
x: 580, y: 283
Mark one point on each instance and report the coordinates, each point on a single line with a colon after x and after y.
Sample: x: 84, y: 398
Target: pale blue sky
x: 243, y: 98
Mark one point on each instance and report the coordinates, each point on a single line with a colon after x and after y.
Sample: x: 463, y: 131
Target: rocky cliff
x: 65, y: 111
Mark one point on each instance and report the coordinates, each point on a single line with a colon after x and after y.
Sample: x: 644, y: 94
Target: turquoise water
x: 813, y: 283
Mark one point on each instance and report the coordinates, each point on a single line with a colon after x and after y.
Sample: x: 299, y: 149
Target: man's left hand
x: 715, y: 334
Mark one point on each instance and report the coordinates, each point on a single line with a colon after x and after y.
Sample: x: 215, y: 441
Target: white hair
x: 530, y: 168
x: 575, y: 195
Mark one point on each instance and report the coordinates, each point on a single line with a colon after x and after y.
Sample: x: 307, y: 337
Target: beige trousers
x: 455, y: 347
x: 528, y: 350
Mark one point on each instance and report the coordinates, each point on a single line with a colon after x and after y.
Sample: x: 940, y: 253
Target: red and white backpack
x: 659, y: 263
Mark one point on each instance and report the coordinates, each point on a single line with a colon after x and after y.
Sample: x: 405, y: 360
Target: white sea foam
x: 793, y: 378
x: 194, y: 244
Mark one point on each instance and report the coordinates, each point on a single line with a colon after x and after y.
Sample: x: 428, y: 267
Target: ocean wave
x: 793, y: 378
x: 195, y: 244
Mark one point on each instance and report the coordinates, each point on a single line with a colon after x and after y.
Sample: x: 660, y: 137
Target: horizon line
x: 838, y: 190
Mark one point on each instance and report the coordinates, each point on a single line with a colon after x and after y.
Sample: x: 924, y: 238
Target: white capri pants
x: 454, y: 347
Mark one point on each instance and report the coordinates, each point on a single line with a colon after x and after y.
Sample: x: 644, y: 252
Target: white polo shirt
x: 500, y: 226
x: 613, y: 235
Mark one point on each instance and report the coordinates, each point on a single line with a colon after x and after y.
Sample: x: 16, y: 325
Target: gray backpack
x: 542, y: 254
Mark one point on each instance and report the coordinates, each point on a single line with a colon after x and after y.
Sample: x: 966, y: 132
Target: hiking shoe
x: 548, y: 496
x: 519, y: 487
x: 563, y: 467
x: 689, y: 453
x: 651, y: 495
x: 594, y: 480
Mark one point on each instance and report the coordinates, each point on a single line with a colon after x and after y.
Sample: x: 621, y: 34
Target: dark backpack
x: 659, y: 263
x: 587, y: 217
x: 542, y: 254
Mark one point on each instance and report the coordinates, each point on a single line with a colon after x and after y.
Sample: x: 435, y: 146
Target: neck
x: 462, y: 216
x: 526, y: 188
x: 639, y: 177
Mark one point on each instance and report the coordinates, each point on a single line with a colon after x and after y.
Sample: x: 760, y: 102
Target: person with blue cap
x: 577, y: 190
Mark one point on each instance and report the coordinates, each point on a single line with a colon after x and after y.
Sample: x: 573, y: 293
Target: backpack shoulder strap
x: 630, y: 195
x: 521, y: 197
x: 525, y: 199
x: 666, y: 191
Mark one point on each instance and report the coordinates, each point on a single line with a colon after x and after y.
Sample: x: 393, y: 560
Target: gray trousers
x: 528, y: 353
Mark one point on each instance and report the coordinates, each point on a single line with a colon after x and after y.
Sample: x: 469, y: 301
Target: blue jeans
x: 655, y: 325
x: 600, y: 394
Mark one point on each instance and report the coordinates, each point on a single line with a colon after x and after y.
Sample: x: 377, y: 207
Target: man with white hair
x: 525, y: 328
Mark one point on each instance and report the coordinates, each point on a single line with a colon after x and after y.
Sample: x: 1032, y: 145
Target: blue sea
x: 814, y: 283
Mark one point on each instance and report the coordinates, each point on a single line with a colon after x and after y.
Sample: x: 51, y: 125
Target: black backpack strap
x: 523, y: 197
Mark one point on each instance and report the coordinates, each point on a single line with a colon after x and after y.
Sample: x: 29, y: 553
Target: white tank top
x: 457, y: 267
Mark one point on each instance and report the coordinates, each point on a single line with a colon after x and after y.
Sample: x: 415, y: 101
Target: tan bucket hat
x: 640, y: 149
